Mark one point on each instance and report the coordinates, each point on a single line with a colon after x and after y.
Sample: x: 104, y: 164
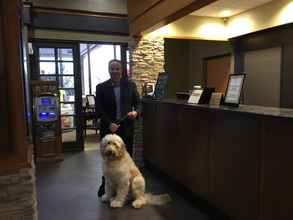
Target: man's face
x: 115, y: 70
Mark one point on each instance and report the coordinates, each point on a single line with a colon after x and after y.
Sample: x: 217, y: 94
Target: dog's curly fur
x: 122, y: 176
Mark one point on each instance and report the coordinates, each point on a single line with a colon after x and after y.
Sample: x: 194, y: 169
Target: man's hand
x: 114, y: 127
x: 132, y: 114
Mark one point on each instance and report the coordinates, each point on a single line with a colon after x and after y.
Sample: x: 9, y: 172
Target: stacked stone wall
x: 18, y: 195
x: 147, y: 61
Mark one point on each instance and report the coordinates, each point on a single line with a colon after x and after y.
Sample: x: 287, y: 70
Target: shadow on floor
x: 68, y: 191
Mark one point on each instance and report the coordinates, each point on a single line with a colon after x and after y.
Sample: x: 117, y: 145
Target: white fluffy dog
x: 123, y: 177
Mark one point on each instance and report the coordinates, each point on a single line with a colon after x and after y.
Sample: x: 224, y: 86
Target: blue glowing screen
x: 46, y: 101
x: 52, y: 115
x: 43, y: 115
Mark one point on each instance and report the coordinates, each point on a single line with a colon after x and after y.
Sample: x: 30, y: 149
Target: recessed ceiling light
x: 225, y: 13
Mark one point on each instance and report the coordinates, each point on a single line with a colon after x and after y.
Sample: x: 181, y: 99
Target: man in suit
x: 117, y: 105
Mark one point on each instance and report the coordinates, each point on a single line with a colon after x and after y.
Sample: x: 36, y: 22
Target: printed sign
x: 195, y: 96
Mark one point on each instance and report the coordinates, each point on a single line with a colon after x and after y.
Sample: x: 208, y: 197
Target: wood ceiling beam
x: 145, y: 16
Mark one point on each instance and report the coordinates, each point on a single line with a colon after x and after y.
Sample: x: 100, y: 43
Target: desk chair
x: 90, y: 101
x: 90, y: 114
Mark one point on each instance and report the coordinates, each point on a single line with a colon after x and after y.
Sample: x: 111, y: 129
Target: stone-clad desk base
x: 239, y: 160
x: 18, y: 195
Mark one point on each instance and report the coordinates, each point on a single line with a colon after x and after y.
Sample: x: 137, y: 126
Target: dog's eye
x: 111, y: 143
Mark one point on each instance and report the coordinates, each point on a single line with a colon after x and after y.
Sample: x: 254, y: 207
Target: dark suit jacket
x: 106, y: 104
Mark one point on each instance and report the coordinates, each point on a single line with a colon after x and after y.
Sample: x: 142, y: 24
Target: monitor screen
x: 234, y: 89
x: 46, y: 101
x: 161, y: 86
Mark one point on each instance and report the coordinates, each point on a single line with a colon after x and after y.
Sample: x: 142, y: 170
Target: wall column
x: 147, y: 59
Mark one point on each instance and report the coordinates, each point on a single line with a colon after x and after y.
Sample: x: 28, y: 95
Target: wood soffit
x: 64, y: 11
x: 82, y: 31
x: 141, y: 8
x: 160, y: 13
x: 98, y: 22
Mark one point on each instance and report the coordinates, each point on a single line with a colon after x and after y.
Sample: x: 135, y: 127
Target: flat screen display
x: 234, y: 89
x: 46, y: 101
x: 161, y: 86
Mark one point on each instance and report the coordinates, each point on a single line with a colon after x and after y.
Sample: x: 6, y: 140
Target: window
x: 94, y: 64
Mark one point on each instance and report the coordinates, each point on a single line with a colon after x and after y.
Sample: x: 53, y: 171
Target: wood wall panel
x: 173, y: 124
x: 271, y: 37
x: 240, y: 163
x: 217, y: 72
x: 193, y: 134
x: 150, y: 132
x: 162, y: 143
x: 280, y: 36
x: 3, y: 99
x: 177, y: 67
x: 188, y: 69
x: 234, y: 144
x: 286, y: 97
x: 20, y: 150
x: 262, y: 84
x: 276, y: 170
x: 155, y: 14
x: 11, y: 42
x: 170, y: 118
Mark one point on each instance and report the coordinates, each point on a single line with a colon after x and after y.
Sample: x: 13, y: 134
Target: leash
x: 121, y: 120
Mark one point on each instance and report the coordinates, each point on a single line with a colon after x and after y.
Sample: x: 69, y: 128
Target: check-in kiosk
x: 47, y: 130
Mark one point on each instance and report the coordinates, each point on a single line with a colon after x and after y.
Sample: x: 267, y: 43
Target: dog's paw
x: 138, y: 203
x: 116, y: 204
x: 105, y: 198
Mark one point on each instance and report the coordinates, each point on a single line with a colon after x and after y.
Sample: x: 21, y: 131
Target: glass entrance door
x: 94, y: 59
x: 60, y: 62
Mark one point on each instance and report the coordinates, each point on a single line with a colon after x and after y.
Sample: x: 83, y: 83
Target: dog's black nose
x: 109, y: 153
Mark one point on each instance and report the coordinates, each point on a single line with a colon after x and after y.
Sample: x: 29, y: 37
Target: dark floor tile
x: 68, y: 190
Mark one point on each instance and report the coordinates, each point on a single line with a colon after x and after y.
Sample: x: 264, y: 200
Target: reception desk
x: 237, y: 159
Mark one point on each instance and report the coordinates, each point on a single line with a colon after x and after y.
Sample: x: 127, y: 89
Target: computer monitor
x: 234, y: 89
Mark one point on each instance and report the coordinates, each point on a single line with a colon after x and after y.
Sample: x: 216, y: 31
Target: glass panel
x: 67, y: 95
x: 83, y: 101
x: 127, y: 56
x: 66, y: 81
x: 67, y: 122
x: 118, y: 52
x: 65, y: 68
x: 48, y: 78
x: 47, y: 53
x: 128, y: 70
x: 65, y: 54
x: 47, y: 68
x: 67, y: 109
x: 69, y: 135
x: 85, y: 75
x: 83, y: 49
x: 100, y: 57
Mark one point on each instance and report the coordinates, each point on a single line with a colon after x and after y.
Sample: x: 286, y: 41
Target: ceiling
x: 227, y: 8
